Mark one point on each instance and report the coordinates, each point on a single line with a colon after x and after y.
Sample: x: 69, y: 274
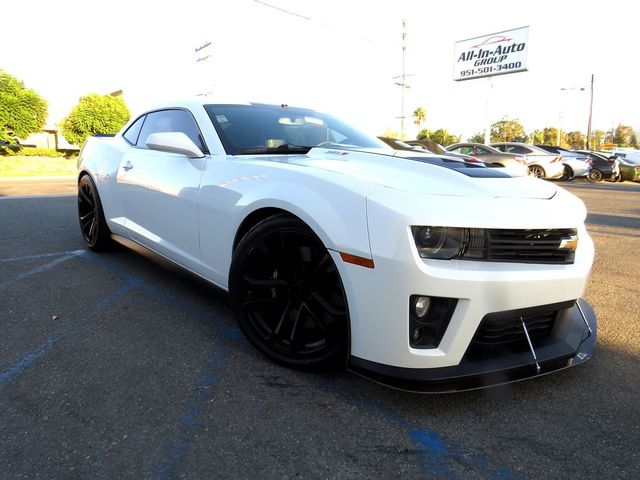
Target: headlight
x: 550, y: 246
x: 439, y: 242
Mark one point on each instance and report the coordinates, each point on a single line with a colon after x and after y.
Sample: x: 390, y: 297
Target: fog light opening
x: 417, y: 334
x: 421, y: 307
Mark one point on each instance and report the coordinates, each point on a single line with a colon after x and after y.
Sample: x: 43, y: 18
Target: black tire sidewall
x: 103, y: 238
x: 334, y: 359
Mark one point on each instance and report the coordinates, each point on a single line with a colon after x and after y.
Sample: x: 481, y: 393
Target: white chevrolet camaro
x: 419, y: 271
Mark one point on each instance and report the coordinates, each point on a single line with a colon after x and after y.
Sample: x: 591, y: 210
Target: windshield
x: 264, y: 129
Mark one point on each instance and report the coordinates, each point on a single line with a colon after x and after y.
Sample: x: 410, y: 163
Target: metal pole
x: 487, y: 119
x: 590, y: 116
x: 404, y: 82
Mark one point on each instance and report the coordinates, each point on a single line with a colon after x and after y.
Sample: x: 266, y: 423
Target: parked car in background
x: 541, y: 164
x: 397, y: 144
x: 626, y: 153
x: 603, y: 166
x: 490, y: 155
x: 576, y: 164
x: 629, y: 170
x: 421, y: 146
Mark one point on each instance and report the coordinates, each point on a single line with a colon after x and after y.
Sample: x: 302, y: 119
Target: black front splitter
x: 487, y: 373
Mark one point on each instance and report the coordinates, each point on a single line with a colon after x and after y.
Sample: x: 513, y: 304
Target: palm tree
x: 419, y: 116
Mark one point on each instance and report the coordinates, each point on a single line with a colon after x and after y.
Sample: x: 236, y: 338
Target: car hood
x: 420, y: 173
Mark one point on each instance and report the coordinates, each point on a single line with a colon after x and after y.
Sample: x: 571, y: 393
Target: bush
x: 32, y: 152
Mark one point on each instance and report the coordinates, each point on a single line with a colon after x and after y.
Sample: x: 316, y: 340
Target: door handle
x: 127, y: 166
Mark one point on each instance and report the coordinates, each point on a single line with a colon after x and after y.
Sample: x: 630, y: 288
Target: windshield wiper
x: 284, y: 148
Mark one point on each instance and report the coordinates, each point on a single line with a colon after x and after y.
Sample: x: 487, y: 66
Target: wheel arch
x: 254, y: 218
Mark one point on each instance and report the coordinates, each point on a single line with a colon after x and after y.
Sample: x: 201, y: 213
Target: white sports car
x: 419, y: 271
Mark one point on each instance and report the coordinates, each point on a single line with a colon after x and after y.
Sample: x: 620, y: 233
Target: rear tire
x: 537, y: 171
x: 287, y: 295
x: 93, y: 225
x: 595, y: 176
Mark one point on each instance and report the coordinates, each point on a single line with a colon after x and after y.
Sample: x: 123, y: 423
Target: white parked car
x: 421, y: 272
x: 541, y: 164
x: 576, y: 164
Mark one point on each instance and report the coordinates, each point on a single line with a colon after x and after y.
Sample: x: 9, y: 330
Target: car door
x: 159, y: 190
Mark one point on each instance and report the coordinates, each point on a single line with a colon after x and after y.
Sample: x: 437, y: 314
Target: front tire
x: 93, y: 225
x: 287, y: 295
x: 568, y: 173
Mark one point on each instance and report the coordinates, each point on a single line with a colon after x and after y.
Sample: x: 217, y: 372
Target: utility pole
x: 590, y: 116
x: 202, y: 57
x: 403, y: 82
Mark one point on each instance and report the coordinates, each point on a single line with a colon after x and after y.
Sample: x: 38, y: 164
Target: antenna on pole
x: 403, y: 78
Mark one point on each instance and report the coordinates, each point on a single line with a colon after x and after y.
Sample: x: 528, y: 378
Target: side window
x: 481, y: 151
x: 131, y: 135
x: 518, y: 150
x: 171, y: 121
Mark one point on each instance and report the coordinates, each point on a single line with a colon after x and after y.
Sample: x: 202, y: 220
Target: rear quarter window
x: 131, y: 134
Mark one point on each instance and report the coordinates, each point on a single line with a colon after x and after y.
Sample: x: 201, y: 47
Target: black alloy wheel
x: 93, y: 225
x: 536, y: 171
x: 288, y: 297
x: 595, y: 175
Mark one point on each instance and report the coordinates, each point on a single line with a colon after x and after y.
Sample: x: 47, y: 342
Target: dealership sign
x: 494, y: 54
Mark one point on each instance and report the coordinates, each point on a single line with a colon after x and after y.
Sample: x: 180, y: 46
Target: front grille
x: 509, y: 330
x: 522, y: 246
x: 501, y: 333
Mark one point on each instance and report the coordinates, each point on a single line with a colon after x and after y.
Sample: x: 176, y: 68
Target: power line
x: 312, y: 20
x: 283, y: 10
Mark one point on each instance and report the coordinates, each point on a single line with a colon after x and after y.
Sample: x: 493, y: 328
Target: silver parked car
x: 541, y: 164
x: 575, y: 163
x: 491, y: 156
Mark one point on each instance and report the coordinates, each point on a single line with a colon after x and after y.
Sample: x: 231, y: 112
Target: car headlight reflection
x: 439, y: 242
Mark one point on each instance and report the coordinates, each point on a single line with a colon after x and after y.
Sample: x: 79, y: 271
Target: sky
x: 338, y: 56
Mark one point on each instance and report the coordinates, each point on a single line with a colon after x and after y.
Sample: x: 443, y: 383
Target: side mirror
x: 174, y: 142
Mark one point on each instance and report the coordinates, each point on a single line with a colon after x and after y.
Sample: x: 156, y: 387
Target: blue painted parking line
x: 178, y: 448
x: 27, y: 360
x: 437, y: 458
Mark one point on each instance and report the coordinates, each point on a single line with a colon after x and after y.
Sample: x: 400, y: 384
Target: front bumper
x: 574, y: 344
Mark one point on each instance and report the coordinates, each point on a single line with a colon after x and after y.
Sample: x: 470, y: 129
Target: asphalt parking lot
x: 112, y: 366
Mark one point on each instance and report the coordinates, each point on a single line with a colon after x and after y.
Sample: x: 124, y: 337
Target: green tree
x: 576, y: 140
x: 22, y: 110
x: 597, y: 139
x: 419, y: 117
x: 550, y: 136
x: 537, y: 137
x: 440, y: 136
x: 477, y: 138
x: 624, y: 136
x: 508, y: 131
x: 390, y: 133
x: 94, y: 114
